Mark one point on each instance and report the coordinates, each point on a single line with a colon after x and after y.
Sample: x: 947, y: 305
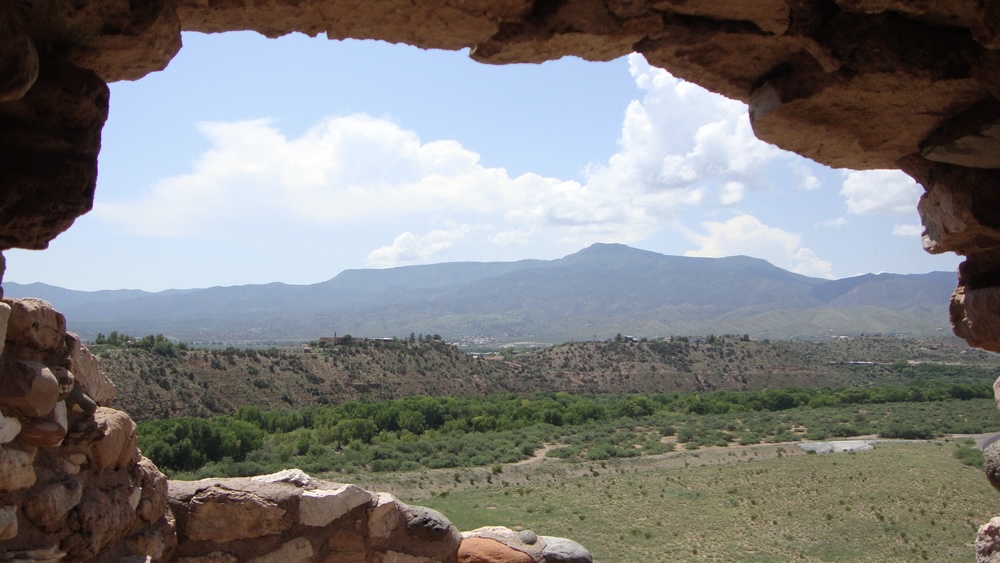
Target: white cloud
x: 732, y: 193
x: 880, y: 191
x: 908, y: 230
x: 409, y: 248
x: 682, y: 152
x: 833, y: 223
x: 746, y: 235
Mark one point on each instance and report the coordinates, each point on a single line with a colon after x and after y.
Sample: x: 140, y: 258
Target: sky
x: 251, y: 160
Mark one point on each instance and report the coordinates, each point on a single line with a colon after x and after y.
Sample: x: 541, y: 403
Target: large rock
x: 87, y: 373
x: 117, y: 445
x: 988, y: 542
x: 485, y: 550
x: 48, y: 507
x: 562, y: 550
x: 319, y: 507
x: 222, y: 515
x: 36, y: 324
x: 30, y: 388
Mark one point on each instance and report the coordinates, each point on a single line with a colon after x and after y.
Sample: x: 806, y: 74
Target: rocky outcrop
x: 74, y: 486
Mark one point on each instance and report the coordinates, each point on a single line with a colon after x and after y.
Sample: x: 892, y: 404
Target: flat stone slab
x: 838, y: 446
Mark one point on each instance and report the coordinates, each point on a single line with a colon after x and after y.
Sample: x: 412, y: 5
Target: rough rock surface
x: 850, y: 83
x: 73, y: 485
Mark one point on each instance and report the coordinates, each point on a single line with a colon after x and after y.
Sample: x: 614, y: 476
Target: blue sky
x: 251, y: 160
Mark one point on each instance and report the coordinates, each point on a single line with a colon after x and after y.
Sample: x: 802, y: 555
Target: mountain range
x: 595, y: 293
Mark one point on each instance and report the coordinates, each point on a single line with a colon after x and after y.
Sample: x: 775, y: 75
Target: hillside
x: 601, y: 290
x: 204, y: 382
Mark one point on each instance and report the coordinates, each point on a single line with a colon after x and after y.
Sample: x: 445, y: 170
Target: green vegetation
x: 157, y: 344
x: 426, y: 432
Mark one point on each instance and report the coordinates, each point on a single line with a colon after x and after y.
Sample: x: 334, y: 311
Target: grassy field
x: 900, y: 502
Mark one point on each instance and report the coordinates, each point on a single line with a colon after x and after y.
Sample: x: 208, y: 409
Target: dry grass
x: 901, y: 502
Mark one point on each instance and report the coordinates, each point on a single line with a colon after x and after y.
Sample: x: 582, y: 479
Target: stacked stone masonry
x: 75, y: 487
x: 862, y: 84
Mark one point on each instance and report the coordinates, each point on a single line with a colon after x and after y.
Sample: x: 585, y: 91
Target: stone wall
x: 75, y: 487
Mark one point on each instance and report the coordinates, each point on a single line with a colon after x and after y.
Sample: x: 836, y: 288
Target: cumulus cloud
x: 682, y: 151
x: 908, y: 230
x: 880, y: 191
x: 746, y: 235
x: 408, y: 248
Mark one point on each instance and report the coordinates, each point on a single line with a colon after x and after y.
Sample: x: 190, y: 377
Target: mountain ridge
x: 598, y: 291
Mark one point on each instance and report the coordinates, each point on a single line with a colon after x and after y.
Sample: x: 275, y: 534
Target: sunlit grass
x: 901, y: 502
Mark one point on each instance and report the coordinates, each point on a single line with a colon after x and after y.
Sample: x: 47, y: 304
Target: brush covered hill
x: 601, y: 290
x: 204, y: 382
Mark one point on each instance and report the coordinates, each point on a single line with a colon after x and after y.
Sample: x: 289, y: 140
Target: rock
x: 9, y: 429
x: 562, y: 550
x: 427, y: 524
x: 514, y: 540
x: 65, y: 380
x: 88, y: 374
x: 4, y: 317
x: 214, y: 557
x: 117, y: 447
x: 30, y: 388
x: 319, y: 507
x: 485, y: 550
x: 153, y: 486
x: 991, y: 463
x: 298, y: 550
x: 34, y: 323
x: 415, y: 531
x: 8, y: 522
x: 19, y: 60
x: 45, y: 432
x: 988, y: 542
x: 222, y: 515
x: 295, y: 477
x: 17, y: 470
x: 48, y: 508
x: 41, y: 555
x: 383, y: 517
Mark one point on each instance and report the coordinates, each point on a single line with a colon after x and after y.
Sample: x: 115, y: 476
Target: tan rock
x: 526, y: 542
x: 88, y: 374
x: 17, y: 470
x: 988, y: 542
x: 153, y: 484
x: 383, y: 518
x: 485, y: 550
x: 8, y: 522
x: 48, y: 507
x: 298, y: 550
x: 319, y: 507
x: 117, y: 447
x: 295, y: 477
x: 30, y: 388
x: 36, y: 324
x: 4, y: 317
x: 222, y: 515
x: 9, y: 429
